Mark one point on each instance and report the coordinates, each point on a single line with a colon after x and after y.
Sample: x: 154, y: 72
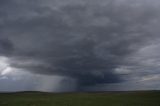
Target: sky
x: 79, y: 45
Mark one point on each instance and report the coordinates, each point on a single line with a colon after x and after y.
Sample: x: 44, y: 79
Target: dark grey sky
x: 79, y: 45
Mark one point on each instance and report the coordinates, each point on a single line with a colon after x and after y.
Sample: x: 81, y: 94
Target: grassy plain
x: 139, y: 98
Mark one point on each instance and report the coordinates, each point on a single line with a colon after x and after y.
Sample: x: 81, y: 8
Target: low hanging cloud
x: 81, y: 39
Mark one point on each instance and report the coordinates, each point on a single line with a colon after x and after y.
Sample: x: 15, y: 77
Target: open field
x: 145, y: 98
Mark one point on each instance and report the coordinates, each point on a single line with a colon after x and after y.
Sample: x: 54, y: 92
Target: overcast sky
x: 79, y: 45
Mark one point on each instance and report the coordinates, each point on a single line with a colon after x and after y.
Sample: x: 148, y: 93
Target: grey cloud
x: 83, y: 40
x: 6, y: 47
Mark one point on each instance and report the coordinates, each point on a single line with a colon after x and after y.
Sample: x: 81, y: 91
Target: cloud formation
x: 84, y: 40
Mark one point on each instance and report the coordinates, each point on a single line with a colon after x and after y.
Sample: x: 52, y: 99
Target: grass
x: 145, y: 98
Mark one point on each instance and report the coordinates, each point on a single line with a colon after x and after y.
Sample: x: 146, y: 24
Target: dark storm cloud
x: 6, y: 47
x: 84, y: 40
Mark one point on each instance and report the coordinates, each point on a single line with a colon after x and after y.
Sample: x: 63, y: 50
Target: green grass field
x: 148, y: 98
